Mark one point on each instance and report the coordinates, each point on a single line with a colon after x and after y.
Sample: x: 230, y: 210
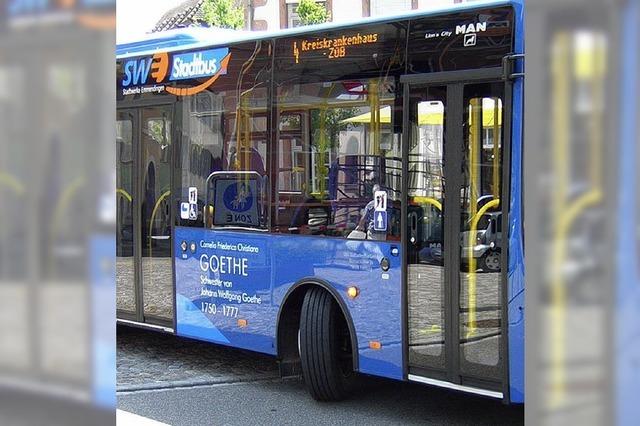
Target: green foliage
x: 327, y: 123
x: 311, y: 12
x: 158, y: 130
x: 223, y: 14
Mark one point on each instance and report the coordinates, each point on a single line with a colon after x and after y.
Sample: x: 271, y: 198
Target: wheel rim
x: 493, y: 261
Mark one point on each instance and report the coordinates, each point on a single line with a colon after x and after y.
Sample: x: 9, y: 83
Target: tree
x: 311, y: 12
x: 223, y: 14
x: 327, y: 123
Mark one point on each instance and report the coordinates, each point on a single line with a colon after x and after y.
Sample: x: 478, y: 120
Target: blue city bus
x: 284, y: 193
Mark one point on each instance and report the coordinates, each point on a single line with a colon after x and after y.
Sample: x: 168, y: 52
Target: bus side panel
x: 230, y: 285
x: 212, y: 277
x: 627, y: 297
x: 516, y: 272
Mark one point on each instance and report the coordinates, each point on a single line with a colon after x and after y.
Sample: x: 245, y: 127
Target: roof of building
x: 187, y: 14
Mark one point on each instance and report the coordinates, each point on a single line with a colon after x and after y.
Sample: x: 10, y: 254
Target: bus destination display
x: 332, y: 48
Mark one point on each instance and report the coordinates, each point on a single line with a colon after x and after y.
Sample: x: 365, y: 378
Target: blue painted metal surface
x: 627, y: 326
x: 235, y: 276
x: 516, y: 272
x: 103, y: 277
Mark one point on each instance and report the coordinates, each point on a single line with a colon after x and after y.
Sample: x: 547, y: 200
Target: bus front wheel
x: 325, y: 347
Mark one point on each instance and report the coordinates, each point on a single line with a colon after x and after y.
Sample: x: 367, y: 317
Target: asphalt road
x: 183, y: 382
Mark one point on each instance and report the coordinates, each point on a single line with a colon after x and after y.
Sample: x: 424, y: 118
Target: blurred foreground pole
x: 582, y: 213
x: 57, y: 212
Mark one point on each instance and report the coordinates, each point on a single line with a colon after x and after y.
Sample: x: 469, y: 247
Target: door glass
x: 157, y: 283
x: 481, y: 242
x: 425, y: 228
x: 125, y: 275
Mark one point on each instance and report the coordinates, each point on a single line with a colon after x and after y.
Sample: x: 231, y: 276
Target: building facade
x: 278, y: 14
x: 262, y: 15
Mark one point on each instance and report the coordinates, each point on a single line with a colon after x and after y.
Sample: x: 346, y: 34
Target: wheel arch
x: 289, y: 316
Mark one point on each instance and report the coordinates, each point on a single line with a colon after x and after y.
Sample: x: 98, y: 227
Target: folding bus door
x: 144, y: 271
x: 455, y: 245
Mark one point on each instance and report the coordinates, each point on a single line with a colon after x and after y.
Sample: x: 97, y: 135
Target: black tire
x: 325, y: 347
x: 490, y: 261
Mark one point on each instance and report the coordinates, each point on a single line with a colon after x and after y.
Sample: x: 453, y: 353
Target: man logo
x: 479, y: 27
x: 470, y: 40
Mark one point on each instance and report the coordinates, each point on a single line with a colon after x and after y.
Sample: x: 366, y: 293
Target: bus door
x: 144, y: 271
x: 454, y: 245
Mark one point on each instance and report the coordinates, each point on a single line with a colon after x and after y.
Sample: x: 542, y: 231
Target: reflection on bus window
x: 125, y: 290
x: 225, y: 131
x: 481, y: 244
x: 482, y: 170
x: 336, y: 148
x: 426, y: 179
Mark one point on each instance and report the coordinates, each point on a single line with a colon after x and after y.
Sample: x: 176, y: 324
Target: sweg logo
x: 200, y: 64
x: 206, y: 63
x: 136, y: 71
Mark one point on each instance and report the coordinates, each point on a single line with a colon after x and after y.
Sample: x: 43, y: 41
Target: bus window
x: 155, y: 203
x: 225, y: 132
x: 481, y: 241
x: 159, y: 130
x: 125, y: 290
x: 426, y: 250
x: 336, y: 149
x: 292, y: 155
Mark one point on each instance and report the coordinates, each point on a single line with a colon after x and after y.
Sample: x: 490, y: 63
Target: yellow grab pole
x: 561, y: 90
x: 472, y: 296
x: 475, y: 128
x: 496, y: 148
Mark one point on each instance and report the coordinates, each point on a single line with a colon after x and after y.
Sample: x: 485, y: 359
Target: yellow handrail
x: 124, y: 193
x: 472, y: 296
x: 12, y: 183
x: 153, y: 216
x: 62, y: 204
x: 497, y: 136
x: 428, y: 200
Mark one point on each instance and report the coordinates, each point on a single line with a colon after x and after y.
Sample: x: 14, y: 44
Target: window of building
x: 293, y: 20
x: 389, y: 7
